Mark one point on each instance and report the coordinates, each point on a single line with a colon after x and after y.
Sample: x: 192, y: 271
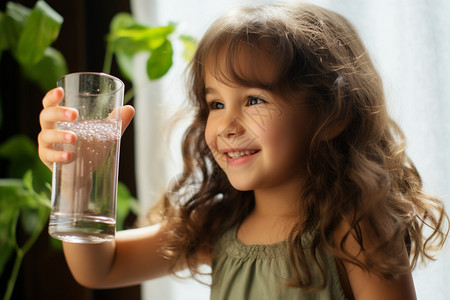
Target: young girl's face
x: 255, y: 139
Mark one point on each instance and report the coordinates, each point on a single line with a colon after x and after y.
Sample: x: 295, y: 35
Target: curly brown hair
x: 357, y: 167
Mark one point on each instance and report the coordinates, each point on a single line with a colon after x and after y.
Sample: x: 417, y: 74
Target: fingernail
x: 65, y: 156
x: 58, y: 90
x: 68, y: 114
x: 68, y: 137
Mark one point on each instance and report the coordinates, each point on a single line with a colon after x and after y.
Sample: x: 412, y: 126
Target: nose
x: 231, y: 126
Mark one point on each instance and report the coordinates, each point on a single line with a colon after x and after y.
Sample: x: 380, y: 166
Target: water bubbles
x: 95, y: 141
x: 93, y: 130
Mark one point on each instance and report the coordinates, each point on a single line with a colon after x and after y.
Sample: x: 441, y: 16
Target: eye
x: 214, y: 105
x: 252, y: 100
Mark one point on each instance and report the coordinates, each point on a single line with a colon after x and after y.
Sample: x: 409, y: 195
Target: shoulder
x: 358, y: 249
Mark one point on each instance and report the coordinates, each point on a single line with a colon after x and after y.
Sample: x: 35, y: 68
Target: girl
x: 295, y: 184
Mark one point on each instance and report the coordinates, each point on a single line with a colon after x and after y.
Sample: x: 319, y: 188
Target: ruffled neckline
x: 235, y: 248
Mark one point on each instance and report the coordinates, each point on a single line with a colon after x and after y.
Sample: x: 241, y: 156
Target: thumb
x: 127, y: 116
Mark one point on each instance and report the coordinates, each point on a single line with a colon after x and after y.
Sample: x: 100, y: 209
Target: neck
x: 279, y: 201
x: 274, y: 216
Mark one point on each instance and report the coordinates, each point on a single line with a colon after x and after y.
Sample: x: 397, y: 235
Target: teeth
x: 237, y: 154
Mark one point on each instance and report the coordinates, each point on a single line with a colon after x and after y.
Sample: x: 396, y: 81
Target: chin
x: 241, y: 185
x: 241, y: 188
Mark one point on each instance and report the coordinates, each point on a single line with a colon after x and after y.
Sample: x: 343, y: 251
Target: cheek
x: 210, y: 135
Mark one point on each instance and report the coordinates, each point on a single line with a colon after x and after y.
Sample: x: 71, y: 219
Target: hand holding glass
x: 84, y: 190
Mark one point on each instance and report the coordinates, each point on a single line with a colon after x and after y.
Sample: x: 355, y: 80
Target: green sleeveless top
x: 241, y: 272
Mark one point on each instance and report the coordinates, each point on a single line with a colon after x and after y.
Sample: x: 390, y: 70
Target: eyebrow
x: 209, y: 90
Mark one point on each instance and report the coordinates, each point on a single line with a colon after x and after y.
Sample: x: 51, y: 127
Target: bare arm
x: 133, y: 257
x: 368, y: 286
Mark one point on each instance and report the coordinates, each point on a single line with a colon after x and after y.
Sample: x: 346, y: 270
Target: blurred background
x: 82, y: 41
x: 409, y: 41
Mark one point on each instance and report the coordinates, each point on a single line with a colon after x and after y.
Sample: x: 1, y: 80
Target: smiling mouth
x: 242, y: 153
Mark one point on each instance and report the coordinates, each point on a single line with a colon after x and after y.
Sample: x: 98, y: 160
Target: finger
x: 53, y: 97
x: 127, y: 115
x: 49, y: 137
x: 46, y: 140
x: 48, y: 156
x: 50, y: 115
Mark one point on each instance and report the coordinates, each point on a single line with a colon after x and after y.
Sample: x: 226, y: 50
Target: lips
x: 238, y: 157
x: 240, y: 153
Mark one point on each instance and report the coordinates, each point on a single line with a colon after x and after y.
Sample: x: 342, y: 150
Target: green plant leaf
x: 138, y: 38
x: 16, y: 16
x: 123, y: 207
x: 37, y: 187
x: 17, y: 147
x: 47, y: 71
x: 28, y: 180
x: 33, y: 219
x: 125, y: 63
x: 22, y: 154
x: 11, y: 191
x: 125, y: 202
x: 127, y: 38
x: 16, y: 199
x: 121, y: 20
x: 135, y: 40
x: 190, y: 44
x: 42, y: 178
x: 160, y: 61
x: 40, y: 31
x: 29, y: 220
x: 127, y: 42
x: 135, y: 208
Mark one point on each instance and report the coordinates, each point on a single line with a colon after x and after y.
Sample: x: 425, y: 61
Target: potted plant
x: 27, y: 34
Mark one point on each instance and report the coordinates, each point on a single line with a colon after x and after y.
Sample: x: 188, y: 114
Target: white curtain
x: 409, y: 40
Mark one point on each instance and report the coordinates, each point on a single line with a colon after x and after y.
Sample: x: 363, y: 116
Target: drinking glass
x: 84, y: 189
